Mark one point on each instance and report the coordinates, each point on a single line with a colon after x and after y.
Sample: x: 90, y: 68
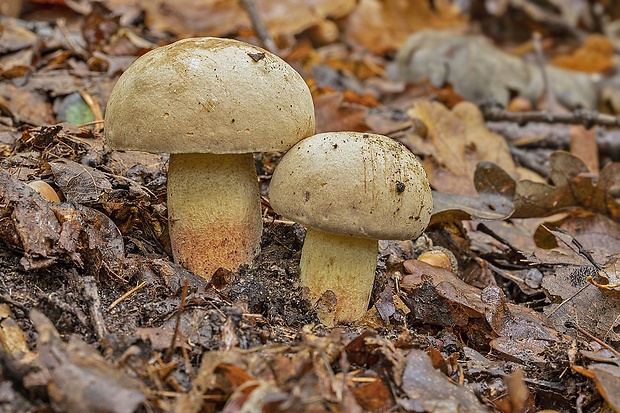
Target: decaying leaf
x: 525, y: 350
x: 429, y: 390
x: 80, y: 380
x: 437, y: 296
x: 460, y: 140
x: 29, y: 224
x: 79, y: 183
x: 25, y: 106
x: 572, y: 187
x: 47, y: 233
x: 383, y: 26
x: 481, y: 73
x: 333, y: 115
x: 575, y: 299
x: 221, y: 17
x: 516, y: 322
x: 495, y: 190
x: 607, y: 378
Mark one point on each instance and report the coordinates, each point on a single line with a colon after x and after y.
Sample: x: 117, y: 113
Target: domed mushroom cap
x: 209, y: 95
x: 355, y: 184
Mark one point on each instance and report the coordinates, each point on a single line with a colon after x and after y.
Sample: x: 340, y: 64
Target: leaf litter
x: 96, y: 317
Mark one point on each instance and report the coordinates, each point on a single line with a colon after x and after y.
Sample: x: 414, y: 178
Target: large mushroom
x: 350, y: 189
x: 210, y: 103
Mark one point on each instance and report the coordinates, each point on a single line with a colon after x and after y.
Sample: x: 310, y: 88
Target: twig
x: 91, y: 293
x: 554, y: 136
x: 127, y: 294
x: 73, y: 45
x: 552, y: 103
x: 571, y: 324
x: 259, y: 26
x: 588, y: 118
x: 64, y: 307
x: 9, y: 300
x: 170, y: 349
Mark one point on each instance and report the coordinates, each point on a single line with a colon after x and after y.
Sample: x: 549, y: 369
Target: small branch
x: 587, y: 118
x: 550, y: 99
x: 170, y: 350
x: 259, y: 26
x: 91, y: 293
x: 127, y: 294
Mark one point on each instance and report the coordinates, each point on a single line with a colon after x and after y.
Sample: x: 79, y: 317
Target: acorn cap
x: 209, y: 95
x: 349, y: 183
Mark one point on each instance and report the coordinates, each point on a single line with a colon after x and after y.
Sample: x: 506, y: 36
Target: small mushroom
x: 350, y: 189
x: 210, y: 103
x: 45, y: 190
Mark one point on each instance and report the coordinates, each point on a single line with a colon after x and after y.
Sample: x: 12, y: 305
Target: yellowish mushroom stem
x: 346, y: 266
x: 214, y: 211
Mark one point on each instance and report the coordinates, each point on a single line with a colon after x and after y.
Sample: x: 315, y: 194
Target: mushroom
x: 210, y: 103
x: 350, y: 189
x: 45, y: 190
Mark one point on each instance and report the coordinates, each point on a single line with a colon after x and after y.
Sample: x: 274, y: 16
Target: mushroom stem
x: 214, y: 211
x: 346, y: 266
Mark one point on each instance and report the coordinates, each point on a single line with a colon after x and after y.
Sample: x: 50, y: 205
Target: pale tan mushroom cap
x: 209, y: 95
x: 355, y: 184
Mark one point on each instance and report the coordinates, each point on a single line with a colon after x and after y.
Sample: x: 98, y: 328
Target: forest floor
x: 510, y: 106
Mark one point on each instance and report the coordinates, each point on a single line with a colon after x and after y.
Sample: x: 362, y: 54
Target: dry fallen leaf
x: 482, y: 73
x: 24, y: 106
x: 574, y: 298
x: 595, y: 55
x: 80, y: 183
x: 460, y: 140
x: 47, y: 233
x: 494, y: 202
x: 383, y: 26
x: 333, y: 115
x: 79, y: 378
x: 189, y: 18
x: 427, y: 389
x: 572, y: 187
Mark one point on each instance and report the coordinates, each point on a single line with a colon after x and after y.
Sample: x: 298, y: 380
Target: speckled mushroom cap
x: 355, y: 184
x: 209, y: 95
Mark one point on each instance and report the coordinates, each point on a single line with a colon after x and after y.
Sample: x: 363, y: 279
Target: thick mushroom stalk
x: 346, y: 266
x: 213, y: 211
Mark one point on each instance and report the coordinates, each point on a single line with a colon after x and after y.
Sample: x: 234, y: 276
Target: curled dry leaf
x: 517, y: 322
x: 437, y: 296
x: 494, y: 202
x: 607, y: 379
x: 28, y: 223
